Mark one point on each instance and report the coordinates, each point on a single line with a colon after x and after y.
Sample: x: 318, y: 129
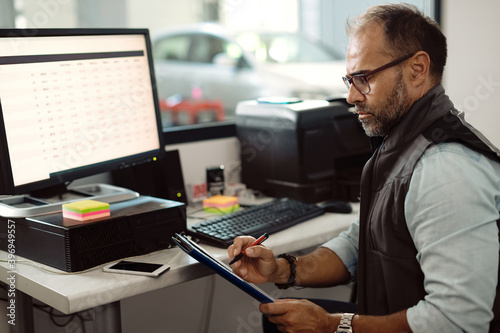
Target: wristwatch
x: 345, y: 325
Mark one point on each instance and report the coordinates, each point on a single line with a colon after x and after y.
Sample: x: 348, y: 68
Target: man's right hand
x: 258, y: 265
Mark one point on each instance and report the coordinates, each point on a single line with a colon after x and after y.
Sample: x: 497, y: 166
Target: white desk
x: 70, y: 293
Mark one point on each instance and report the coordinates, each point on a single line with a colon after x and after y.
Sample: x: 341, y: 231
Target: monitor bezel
x: 7, y: 186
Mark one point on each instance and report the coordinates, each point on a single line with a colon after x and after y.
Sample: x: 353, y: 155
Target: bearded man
x: 425, y: 248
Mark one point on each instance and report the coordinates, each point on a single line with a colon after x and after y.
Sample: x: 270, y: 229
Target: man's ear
x: 419, y: 65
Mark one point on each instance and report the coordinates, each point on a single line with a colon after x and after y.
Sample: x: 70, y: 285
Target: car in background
x: 205, y: 61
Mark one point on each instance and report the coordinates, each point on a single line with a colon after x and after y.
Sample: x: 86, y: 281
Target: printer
x: 310, y: 150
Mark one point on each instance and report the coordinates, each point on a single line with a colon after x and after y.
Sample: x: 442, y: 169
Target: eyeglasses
x: 360, y: 81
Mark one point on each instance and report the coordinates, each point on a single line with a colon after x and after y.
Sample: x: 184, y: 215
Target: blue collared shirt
x: 451, y: 210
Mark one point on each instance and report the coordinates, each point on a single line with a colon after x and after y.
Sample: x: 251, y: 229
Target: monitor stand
x: 28, y: 205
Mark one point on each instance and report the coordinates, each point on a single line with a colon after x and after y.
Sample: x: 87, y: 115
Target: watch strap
x: 345, y: 325
x: 291, y: 280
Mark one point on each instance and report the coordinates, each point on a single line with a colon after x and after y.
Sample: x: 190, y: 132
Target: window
x: 218, y: 67
x: 172, y: 48
x: 205, y: 48
x: 284, y: 47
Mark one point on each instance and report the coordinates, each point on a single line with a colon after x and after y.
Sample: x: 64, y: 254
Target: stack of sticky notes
x: 85, y: 210
x: 221, y: 204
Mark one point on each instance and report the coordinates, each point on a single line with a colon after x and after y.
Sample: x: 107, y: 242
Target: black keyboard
x: 270, y: 217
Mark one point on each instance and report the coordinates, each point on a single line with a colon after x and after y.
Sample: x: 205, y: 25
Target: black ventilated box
x: 135, y: 227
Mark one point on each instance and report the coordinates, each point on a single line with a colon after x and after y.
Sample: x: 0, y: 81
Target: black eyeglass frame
x: 348, y: 81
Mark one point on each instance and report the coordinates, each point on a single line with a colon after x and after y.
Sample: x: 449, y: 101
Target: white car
x: 205, y: 61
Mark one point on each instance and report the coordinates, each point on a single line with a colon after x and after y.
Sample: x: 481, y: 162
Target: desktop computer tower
x: 312, y: 150
x: 135, y: 227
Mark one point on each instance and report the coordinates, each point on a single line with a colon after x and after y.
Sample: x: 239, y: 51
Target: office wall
x: 472, y: 75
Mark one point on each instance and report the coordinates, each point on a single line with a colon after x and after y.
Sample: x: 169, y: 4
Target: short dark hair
x: 407, y: 30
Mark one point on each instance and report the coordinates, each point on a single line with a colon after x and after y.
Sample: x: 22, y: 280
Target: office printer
x: 310, y: 150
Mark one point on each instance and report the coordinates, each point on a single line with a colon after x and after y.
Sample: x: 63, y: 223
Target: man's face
x: 388, y: 100
x: 378, y: 119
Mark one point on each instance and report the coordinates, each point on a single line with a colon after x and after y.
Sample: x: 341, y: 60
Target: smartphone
x: 136, y: 268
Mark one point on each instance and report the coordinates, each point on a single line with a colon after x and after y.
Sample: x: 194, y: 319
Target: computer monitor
x: 74, y: 103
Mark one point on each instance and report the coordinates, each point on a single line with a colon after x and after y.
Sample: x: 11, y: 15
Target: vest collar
x: 433, y: 105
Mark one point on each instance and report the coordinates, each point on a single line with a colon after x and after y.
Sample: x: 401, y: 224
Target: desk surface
x: 70, y: 292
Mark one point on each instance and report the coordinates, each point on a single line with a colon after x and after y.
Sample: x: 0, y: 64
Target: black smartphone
x: 136, y: 268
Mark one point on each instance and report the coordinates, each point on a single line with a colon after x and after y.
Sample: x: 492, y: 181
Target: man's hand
x: 299, y: 315
x: 258, y: 265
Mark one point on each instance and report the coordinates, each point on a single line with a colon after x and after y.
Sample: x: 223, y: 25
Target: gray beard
x: 389, y: 114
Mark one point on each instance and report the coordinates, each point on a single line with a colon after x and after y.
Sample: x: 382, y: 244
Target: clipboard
x: 200, y: 254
